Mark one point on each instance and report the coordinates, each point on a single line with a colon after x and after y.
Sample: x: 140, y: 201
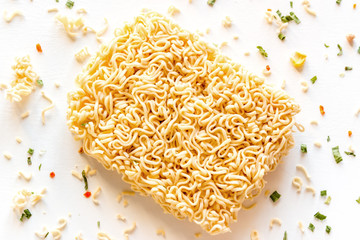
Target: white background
x: 339, y: 96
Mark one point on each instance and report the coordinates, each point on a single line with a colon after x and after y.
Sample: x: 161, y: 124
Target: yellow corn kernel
x: 298, y: 59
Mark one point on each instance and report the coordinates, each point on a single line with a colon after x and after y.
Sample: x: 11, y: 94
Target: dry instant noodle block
x: 181, y: 122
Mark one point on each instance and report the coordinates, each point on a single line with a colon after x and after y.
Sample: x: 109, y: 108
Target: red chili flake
x: 38, y: 48
x: 52, y: 174
x: 350, y: 133
x: 87, y: 194
x: 269, y: 9
x: 81, y: 150
x: 322, y: 110
x: 354, y: 6
x: 268, y: 67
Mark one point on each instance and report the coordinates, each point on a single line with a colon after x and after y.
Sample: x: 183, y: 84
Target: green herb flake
x: 84, y: 124
x: 29, y: 161
x: 320, y: 216
x: 211, y: 2
x: 338, y: 2
x: 291, y: 4
x: 347, y: 68
x: 40, y: 166
x: 328, y: 200
x: 313, y: 79
x: 311, y: 227
x: 46, y: 235
x: 359, y: 50
x: 70, y: 4
x: 303, y: 148
x: 262, y: 51
x: 275, y: 196
x: 340, y: 50
x: 328, y: 229
x: 57, y: 0
x: 85, y: 179
x: 30, y: 151
x: 294, y: 17
x: 358, y: 200
x: 328, y: 139
x: 281, y: 36
x: 98, y: 224
x: 285, y: 236
x: 323, y: 193
x: 327, y: 46
x: 26, y: 214
x: 350, y: 153
x: 40, y: 82
x: 336, y: 154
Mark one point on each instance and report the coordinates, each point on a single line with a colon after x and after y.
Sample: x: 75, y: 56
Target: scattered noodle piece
x: 36, y: 197
x: 25, y: 114
x: 270, y: 16
x: 3, y: 86
x: 77, y: 175
x: 95, y: 196
x: 227, y: 22
x: 139, y: 113
x: 88, y: 29
x: 42, y: 234
x: 301, y: 227
x: 300, y: 127
x: 52, y: 105
x: 26, y: 176
x: 249, y: 207
x: 82, y: 55
x: 317, y: 144
x: 351, y: 149
x: 223, y: 44
x: 236, y: 37
x: 266, y: 72
x: 350, y: 38
x: 303, y: 169
x: 119, y: 197
x: 92, y: 172
x: 297, y: 182
x: 71, y: 26
x: 254, y: 235
x: 172, y: 10
x: 103, y: 236
x: 283, y: 84
x: 306, y: 5
x: 79, y: 237
x: 129, y: 230
x: 81, y: 11
x: 7, y: 155
x: 125, y: 202
x: 305, y: 86
x: 9, y: 17
x: 120, y: 217
x: 198, y: 235
x: 161, y: 232
x: 275, y: 221
x: 314, y: 122
x: 18, y: 139
x: 311, y: 189
x: 129, y: 193
x: 57, y: 84
x: 102, y: 31
x: 24, y: 82
x: 207, y: 31
x: 50, y: 10
x: 267, y: 192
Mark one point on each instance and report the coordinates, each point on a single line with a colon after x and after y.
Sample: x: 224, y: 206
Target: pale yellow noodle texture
x: 181, y: 122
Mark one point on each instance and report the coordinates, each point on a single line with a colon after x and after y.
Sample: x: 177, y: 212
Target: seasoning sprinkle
x: 338, y: 2
x: 313, y: 79
x: 291, y: 4
x: 87, y: 194
x: 26, y: 214
x: 328, y: 229
x: 211, y: 2
x: 323, y: 193
x: 321, y: 107
x: 320, y: 216
x: 328, y: 139
x: 30, y: 151
x: 285, y: 236
x: 40, y: 82
x: 340, y: 50
x: 347, y: 68
x: 281, y: 36
x: 311, y: 227
x: 336, y: 154
x: 275, y: 196
x: 262, y: 51
x: 303, y: 148
x: 358, y: 200
x: 328, y: 200
x: 350, y: 153
x: 85, y: 179
x: 52, y: 174
x: 46, y: 235
x: 70, y: 4
x: 40, y: 166
x: 327, y: 46
x: 38, y: 48
x: 29, y: 161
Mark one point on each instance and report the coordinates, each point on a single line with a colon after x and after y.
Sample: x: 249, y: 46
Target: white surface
x: 339, y: 96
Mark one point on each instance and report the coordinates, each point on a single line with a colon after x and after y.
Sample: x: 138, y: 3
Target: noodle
x: 181, y: 122
x: 303, y: 169
x: 275, y: 221
x: 51, y: 106
x: 297, y: 182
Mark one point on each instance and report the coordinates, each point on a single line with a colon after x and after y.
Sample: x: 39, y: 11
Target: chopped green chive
x: 323, y: 193
x: 328, y: 229
x: 285, y: 236
x: 338, y: 2
x: 85, y: 179
x: 46, y: 234
x: 70, y: 4
x: 211, y: 2
x: 320, y: 216
x: 40, y: 82
x: 40, y: 166
x: 281, y: 36
x: 311, y: 227
x: 275, y: 196
x: 348, y: 68
x: 29, y: 161
x: 57, y: 0
x: 328, y: 139
x: 98, y: 224
x: 262, y: 51
x: 26, y: 214
x: 30, y: 151
x: 328, y: 200
x: 83, y: 124
x: 313, y: 79
x: 295, y: 18
x: 350, y: 153
x: 340, y: 50
x: 291, y: 4
x: 358, y: 200
x: 336, y: 154
x: 327, y: 46
x: 359, y: 50
x: 303, y: 148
